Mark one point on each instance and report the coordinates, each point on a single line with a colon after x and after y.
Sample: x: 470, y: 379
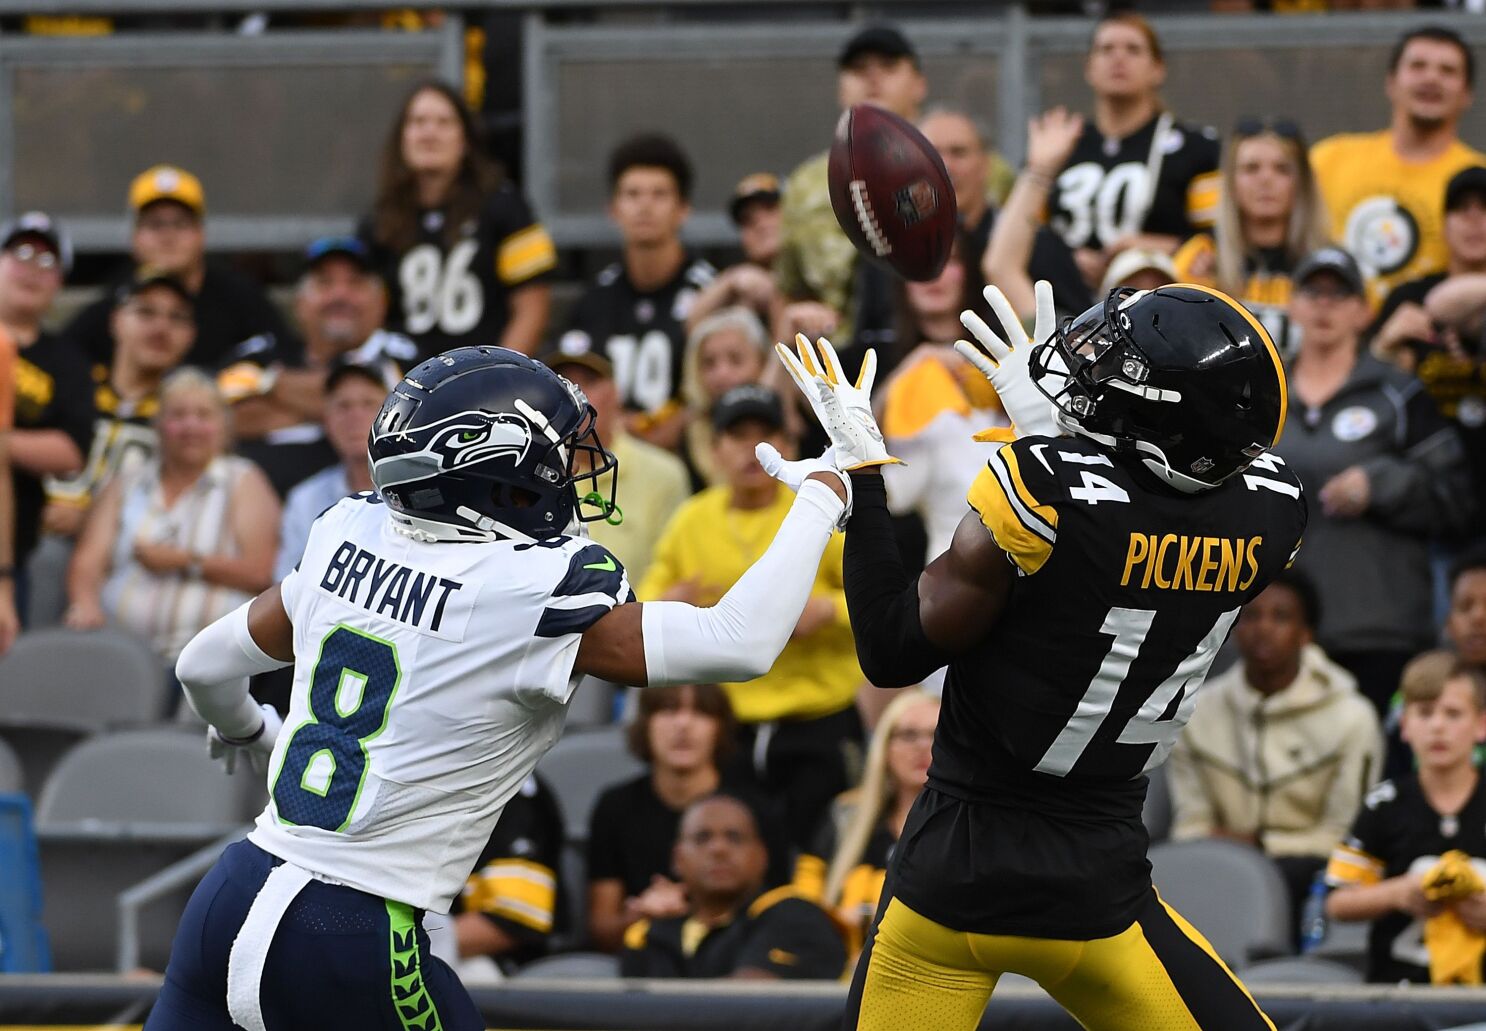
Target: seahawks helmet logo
x: 475, y: 436
x: 461, y: 440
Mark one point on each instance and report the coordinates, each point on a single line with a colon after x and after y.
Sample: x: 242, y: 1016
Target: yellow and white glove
x: 844, y: 409
x: 794, y: 474
x: 1005, y: 364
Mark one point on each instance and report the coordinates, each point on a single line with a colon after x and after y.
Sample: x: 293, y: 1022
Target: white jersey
x: 429, y: 680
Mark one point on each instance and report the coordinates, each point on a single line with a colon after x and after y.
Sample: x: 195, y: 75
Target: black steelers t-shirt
x: 1099, y: 196
x: 445, y: 295
x: 642, y: 332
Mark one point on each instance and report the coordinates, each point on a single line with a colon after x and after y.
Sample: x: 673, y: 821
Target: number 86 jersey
x: 429, y: 679
x: 1126, y: 590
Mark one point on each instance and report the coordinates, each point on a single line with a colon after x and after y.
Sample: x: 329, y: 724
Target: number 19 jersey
x: 429, y: 680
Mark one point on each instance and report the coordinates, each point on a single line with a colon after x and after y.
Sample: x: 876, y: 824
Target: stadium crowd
x: 169, y: 447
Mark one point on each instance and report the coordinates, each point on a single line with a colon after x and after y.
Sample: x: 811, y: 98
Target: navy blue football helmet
x: 1183, y: 377
x: 483, y: 443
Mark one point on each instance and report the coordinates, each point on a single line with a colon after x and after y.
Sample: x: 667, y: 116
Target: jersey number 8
x: 351, y: 690
x: 440, y: 293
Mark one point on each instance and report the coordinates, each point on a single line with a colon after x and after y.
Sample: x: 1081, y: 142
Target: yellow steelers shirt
x: 712, y: 544
x: 1266, y: 290
x: 1388, y: 212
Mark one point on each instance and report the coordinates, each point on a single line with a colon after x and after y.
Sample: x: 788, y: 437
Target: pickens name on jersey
x: 392, y: 589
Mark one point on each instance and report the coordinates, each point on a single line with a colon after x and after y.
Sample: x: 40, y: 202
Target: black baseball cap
x: 344, y: 368
x: 759, y: 186
x: 45, y: 228
x: 877, y: 39
x: 337, y: 246
x: 1468, y: 182
x: 1334, y: 260
x: 749, y: 401
x: 148, y: 276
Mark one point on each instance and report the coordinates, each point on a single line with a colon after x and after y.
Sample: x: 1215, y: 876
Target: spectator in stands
x: 1281, y: 747
x: 154, y: 325
x: 1270, y: 215
x: 1138, y: 269
x: 169, y: 208
x: 1383, y: 188
x: 754, y: 209
x: 512, y: 902
x: 962, y: 143
x: 1416, y: 833
x: 1465, y: 624
x: 845, y: 867
x: 725, y: 350
x: 799, y: 724
x: 1136, y: 177
x: 10, y: 622
x: 465, y: 259
x: 931, y: 406
x: 635, y: 313
x: 653, y: 481
x: 354, y: 393
x: 53, y: 392
x: 685, y: 735
x: 1384, y: 473
x: 1434, y: 326
x: 182, y: 539
x: 731, y: 926
x: 277, y: 384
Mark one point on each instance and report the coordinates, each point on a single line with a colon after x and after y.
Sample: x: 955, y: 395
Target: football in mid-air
x: 891, y: 192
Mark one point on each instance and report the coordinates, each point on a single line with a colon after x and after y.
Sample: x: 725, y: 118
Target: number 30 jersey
x: 429, y: 680
x: 1126, y: 590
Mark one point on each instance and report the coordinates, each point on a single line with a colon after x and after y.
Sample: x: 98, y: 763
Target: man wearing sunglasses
x: 1383, y: 188
x: 53, y: 393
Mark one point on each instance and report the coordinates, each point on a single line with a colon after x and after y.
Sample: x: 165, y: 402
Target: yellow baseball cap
x: 166, y: 182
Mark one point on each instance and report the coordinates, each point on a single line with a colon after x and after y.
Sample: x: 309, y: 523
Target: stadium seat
x: 1345, y: 943
x: 592, y: 704
x: 1232, y: 893
x: 11, y: 778
x: 1299, y: 970
x: 580, y: 766
x: 160, y: 776
x: 1157, y: 811
x: 81, y: 680
x: 572, y: 966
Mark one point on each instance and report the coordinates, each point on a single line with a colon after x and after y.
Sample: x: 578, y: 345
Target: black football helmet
x: 1181, y: 376
x: 482, y: 443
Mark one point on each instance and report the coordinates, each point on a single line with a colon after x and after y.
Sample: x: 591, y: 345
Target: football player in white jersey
x: 437, y: 629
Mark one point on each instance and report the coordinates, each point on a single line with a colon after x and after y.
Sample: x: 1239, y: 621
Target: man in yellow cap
x: 168, y: 206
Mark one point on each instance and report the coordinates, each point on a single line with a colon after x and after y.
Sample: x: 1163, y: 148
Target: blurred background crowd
x: 170, y: 441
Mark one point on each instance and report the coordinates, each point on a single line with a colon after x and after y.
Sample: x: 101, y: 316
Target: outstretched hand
x: 794, y: 474
x: 843, y: 408
x: 1004, y: 362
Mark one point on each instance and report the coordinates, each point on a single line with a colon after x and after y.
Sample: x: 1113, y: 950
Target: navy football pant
x: 340, y: 960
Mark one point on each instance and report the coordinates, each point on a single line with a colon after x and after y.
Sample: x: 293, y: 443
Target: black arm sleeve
x: 880, y: 598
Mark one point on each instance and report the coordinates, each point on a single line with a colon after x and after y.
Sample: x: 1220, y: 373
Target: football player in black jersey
x: 1136, y: 177
x: 1108, y: 550
x: 635, y: 314
x: 465, y: 260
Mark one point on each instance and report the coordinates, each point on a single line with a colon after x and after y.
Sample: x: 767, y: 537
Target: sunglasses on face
x: 30, y: 254
x: 1252, y: 125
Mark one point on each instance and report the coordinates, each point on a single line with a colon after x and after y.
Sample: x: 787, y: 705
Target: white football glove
x: 794, y: 474
x: 844, y: 409
x: 254, y: 750
x: 1031, y: 412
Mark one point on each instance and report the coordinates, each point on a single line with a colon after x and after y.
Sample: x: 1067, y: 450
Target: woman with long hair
x: 845, y: 870
x: 1270, y: 215
x: 724, y: 350
x: 464, y: 258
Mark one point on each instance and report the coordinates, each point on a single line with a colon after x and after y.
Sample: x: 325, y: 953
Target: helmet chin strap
x: 428, y: 531
x: 1152, y: 457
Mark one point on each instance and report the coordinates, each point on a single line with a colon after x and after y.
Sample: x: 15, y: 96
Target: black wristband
x: 240, y: 741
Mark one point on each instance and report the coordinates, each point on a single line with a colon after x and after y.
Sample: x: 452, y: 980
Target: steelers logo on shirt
x: 1382, y: 235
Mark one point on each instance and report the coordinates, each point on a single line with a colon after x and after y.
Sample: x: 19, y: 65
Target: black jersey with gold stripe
x: 1126, y: 590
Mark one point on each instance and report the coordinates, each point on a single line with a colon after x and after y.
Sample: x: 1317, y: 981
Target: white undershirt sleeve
x: 214, y: 669
x: 740, y: 637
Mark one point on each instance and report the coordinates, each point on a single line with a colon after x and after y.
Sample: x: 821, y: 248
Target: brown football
x: 891, y: 192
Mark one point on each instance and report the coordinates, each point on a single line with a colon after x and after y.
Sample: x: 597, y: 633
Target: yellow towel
x: 1455, y: 950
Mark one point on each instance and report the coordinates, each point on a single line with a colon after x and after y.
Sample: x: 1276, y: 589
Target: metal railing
x: 178, y: 875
